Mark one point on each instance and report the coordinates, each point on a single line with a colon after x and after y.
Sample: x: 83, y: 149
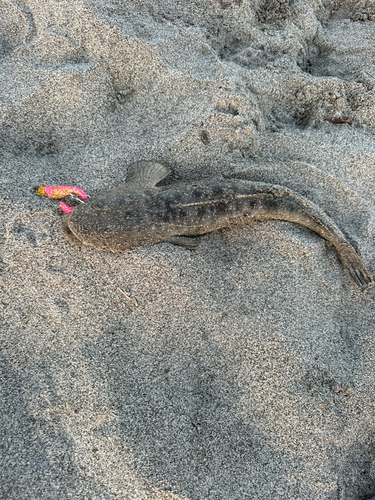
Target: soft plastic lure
x: 58, y: 192
x: 65, y: 208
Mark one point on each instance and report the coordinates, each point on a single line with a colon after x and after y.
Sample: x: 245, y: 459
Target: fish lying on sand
x: 140, y: 213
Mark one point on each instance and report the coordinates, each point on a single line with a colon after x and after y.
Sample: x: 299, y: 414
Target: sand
x: 245, y: 369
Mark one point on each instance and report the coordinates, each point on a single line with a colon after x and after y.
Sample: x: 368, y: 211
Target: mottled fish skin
x: 132, y: 215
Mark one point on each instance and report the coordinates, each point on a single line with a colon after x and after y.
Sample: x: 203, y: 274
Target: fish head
x: 117, y: 220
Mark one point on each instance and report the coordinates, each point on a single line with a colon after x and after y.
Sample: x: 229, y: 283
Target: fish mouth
x: 70, y: 235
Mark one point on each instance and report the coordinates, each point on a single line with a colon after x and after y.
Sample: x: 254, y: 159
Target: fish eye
x: 98, y: 204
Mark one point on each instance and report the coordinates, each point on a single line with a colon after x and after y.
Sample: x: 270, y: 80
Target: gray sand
x: 244, y: 370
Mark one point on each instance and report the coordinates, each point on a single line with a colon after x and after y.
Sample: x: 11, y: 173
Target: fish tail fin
x: 355, y: 266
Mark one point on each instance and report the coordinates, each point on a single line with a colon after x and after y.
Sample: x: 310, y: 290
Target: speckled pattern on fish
x: 139, y: 213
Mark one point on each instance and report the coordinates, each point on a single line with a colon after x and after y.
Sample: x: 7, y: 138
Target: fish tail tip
x: 362, y: 276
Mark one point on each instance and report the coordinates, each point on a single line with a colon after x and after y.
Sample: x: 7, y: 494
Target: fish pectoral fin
x: 185, y: 241
x: 146, y: 174
x: 70, y: 236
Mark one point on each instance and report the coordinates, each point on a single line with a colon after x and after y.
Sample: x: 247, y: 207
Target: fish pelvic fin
x: 184, y: 241
x: 146, y: 174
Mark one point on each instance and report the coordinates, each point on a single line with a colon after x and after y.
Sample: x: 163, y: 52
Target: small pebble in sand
x: 338, y: 120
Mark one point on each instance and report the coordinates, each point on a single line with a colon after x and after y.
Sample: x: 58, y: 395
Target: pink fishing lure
x: 58, y: 192
x: 65, y: 208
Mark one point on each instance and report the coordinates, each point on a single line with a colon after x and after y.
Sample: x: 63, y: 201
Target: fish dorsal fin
x: 146, y: 174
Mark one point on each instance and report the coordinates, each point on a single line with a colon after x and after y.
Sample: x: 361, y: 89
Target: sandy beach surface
x: 244, y: 369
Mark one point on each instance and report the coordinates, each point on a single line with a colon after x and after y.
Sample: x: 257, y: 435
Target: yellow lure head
x: 41, y: 190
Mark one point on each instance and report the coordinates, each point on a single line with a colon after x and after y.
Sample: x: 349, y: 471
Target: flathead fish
x: 140, y: 213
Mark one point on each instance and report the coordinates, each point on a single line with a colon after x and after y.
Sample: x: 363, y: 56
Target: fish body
x: 139, y: 213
